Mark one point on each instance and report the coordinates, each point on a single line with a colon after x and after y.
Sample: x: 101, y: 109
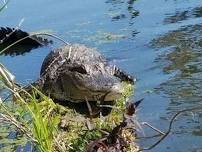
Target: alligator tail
x: 11, y: 35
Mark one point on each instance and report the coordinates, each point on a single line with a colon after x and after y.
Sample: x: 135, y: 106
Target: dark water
x: 158, y: 41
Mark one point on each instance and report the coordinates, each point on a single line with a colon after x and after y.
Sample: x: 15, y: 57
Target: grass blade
x: 4, y: 5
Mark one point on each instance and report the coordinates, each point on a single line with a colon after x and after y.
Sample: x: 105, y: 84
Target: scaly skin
x: 73, y: 72
x: 78, y: 73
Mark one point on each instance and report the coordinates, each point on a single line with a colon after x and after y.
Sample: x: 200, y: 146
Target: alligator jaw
x: 115, y: 93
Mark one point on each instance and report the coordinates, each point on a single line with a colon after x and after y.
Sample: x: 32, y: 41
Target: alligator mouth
x: 115, y: 93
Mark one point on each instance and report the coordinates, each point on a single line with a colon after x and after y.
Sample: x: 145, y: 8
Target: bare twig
x: 4, y: 5
x: 170, y: 127
x: 89, y: 108
x: 154, y: 128
x: 11, y: 120
x: 61, y: 147
x: 148, y: 137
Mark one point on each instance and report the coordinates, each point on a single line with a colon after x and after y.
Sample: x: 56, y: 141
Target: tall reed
x: 43, y: 126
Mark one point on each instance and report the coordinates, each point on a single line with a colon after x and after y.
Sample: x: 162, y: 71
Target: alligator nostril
x: 115, y: 92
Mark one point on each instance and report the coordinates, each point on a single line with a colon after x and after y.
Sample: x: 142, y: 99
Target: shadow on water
x: 17, y: 49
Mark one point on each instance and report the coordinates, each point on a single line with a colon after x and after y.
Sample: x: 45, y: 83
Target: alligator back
x: 11, y: 35
x: 76, y: 72
x: 72, y: 55
x: 72, y: 72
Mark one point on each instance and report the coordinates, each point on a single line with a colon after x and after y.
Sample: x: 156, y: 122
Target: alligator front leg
x: 123, y: 75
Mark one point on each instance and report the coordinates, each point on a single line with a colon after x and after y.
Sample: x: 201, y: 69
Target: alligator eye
x: 78, y: 69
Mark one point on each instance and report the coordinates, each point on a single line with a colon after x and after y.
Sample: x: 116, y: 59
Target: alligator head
x: 81, y: 74
x: 80, y: 84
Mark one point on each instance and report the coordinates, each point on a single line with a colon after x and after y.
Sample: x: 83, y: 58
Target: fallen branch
x: 120, y: 137
x: 170, y: 127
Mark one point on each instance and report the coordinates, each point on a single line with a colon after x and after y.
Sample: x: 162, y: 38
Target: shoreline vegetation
x: 48, y: 126
x: 34, y: 122
x: 45, y: 126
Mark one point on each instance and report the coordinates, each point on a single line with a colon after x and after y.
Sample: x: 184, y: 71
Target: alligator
x: 10, y: 35
x: 75, y: 72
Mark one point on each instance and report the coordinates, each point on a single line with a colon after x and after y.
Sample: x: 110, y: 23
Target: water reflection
x: 10, y: 35
x: 117, y: 13
x: 125, y: 11
x: 17, y: 50
x: 133, y: 12
x: 181, y: 56
x: 183, y: 15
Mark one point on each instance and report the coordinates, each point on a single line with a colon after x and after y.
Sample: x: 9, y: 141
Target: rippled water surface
x: 157, y: 41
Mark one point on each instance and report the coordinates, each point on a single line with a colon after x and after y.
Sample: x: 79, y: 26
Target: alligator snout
x: 115, y: 93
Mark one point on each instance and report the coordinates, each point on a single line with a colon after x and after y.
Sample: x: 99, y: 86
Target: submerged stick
x: 170, y: 127
x: 154, y: 128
